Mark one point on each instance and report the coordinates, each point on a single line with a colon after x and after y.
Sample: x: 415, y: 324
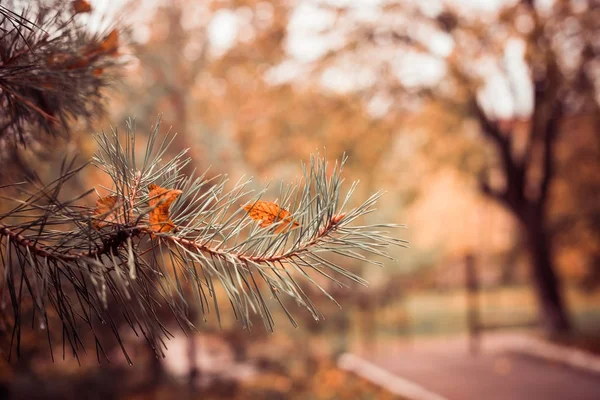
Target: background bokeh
x: 480, y: 119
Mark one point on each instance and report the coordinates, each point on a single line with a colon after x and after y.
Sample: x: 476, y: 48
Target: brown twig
x: 119, y: 237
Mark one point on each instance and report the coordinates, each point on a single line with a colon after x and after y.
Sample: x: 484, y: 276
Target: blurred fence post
x: 193, y: 371
x: 473, y: 320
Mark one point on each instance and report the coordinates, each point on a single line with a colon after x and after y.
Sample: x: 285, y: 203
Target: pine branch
x: 161, y: 235
x: 52, y: 68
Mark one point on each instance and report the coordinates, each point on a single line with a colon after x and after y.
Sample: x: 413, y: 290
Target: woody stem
x: 119, y: 237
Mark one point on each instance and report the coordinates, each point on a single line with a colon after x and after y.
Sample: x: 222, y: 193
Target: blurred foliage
x: 509, y: 82
x: 261, y: 101
x: 254, y: 105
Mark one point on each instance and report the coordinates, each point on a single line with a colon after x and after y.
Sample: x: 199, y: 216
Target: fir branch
x: 116, y: 256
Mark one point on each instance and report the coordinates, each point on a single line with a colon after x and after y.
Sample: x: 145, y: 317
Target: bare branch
x: 513, y: 195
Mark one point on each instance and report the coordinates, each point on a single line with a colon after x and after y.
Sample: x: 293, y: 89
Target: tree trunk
x: 553, y: 313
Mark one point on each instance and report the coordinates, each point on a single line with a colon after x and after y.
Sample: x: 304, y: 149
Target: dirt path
x: 455, y: 375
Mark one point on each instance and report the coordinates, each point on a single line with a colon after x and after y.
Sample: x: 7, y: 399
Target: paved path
x: 452, y: 373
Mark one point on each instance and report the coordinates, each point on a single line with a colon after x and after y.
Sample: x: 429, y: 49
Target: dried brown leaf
x: 81, y: 6
x: 269, y: 213
x: 108, y: 46
x: 160, y: 200
x: 109, y: 210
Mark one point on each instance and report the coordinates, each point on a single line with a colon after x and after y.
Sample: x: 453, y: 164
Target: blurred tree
x: 522, y: 72
x: 520, y: 101
x: 164, y: 73
x: 575, y: 219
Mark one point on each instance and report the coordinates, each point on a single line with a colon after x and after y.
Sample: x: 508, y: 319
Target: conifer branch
x: 183, y: 241
x: 52, y: 67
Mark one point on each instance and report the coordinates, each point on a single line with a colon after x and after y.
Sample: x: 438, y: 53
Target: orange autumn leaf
x: 269, y: 213
x: 160, y: 200
x: 81, y: 6
x: 108, y: 46
x: 106, y: 212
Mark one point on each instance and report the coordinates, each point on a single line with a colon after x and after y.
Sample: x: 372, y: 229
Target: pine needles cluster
x: 79, y: 261
x: 52, y: 69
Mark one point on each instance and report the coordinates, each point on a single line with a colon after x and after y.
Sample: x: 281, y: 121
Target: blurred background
x: 481, y: 121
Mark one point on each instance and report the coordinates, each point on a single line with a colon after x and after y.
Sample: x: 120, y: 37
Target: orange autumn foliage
x: 108, y: 46
x: 78, y: 63
x: 81, y: 6
x: 109, y: 210
x: 269, y: 213
x: 160, y: 200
